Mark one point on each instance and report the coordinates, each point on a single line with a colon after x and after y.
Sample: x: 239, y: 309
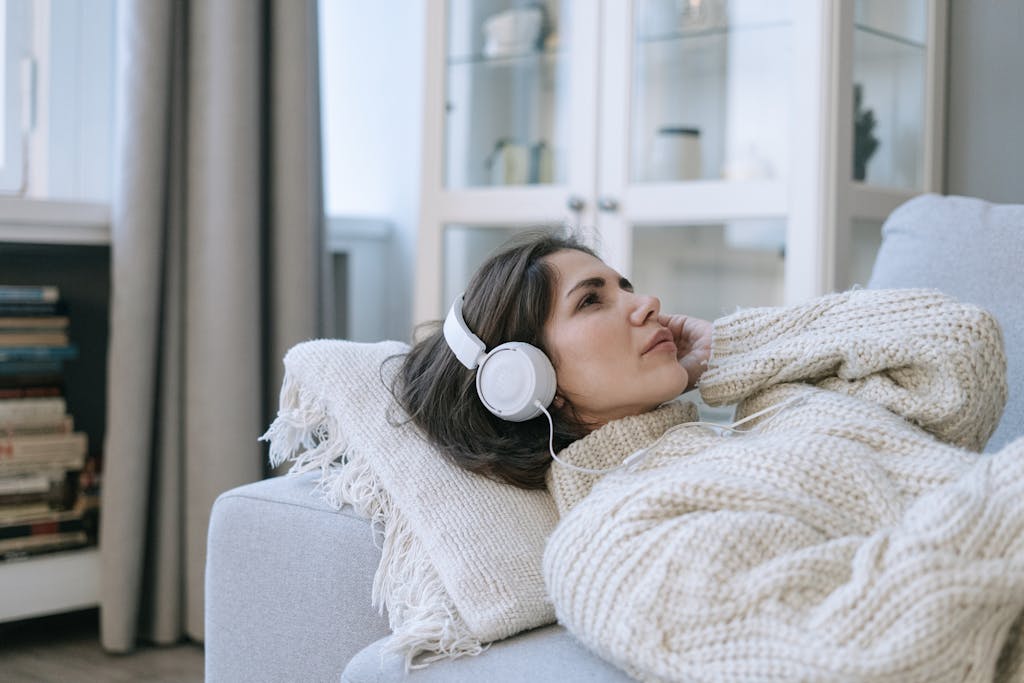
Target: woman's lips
x: 661, y: 341
x: 667, y: 345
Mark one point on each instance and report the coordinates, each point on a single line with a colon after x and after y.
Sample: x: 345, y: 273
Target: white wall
x: 985, y: 123
x: 372, y: 92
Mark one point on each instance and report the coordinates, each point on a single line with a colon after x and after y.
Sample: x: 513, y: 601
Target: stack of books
x: 48, y: 484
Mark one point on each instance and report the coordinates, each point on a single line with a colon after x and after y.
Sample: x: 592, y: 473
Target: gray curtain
x: 216, y: 248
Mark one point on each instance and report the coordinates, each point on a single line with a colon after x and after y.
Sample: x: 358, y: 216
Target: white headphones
x: 510, y: 380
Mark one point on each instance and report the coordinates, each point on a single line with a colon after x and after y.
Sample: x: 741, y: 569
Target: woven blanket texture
x: 461, y: 554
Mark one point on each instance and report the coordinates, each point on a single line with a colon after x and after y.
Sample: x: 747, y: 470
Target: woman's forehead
x: 571, y: 266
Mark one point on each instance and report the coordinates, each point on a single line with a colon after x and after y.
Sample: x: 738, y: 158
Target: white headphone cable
x: 640, y: 454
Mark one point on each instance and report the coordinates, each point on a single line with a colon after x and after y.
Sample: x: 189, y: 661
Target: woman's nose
x: 644, y: 308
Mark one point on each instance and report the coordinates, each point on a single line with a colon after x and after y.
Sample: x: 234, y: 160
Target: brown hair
x: 507, y: 299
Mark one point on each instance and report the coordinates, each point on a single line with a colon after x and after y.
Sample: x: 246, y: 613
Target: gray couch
x: 279, y: 608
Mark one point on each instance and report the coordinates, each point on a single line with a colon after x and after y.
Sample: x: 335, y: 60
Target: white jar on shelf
x: 675, y: 154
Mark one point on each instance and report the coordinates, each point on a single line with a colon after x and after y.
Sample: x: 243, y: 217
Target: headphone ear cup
x: 512, y: 377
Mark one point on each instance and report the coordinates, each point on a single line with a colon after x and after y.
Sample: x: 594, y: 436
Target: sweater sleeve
x: 936, y: 362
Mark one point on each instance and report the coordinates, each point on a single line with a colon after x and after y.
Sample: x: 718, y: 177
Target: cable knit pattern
x: 914, y: 351
x: 851, y: 537
x: 617, y: 440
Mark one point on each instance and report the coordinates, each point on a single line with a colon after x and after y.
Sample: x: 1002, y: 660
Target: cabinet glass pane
x: 507, y: 78
x: 711, y: 93
x: 889, y: 66
x: 865, y: 238
x: 709, y: 270
x: 466, y: 247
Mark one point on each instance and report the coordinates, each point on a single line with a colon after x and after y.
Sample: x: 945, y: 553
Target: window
x: 58, y: 92
x: 14, y: 29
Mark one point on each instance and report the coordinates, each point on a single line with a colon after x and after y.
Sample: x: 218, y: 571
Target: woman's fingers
x: 693, y: 343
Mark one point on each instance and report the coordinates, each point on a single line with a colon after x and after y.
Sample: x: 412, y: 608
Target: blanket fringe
x: 425, y: 624
x: 303, y: 432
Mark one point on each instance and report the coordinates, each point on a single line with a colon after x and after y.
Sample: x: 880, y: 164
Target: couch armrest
x: 288, y: 583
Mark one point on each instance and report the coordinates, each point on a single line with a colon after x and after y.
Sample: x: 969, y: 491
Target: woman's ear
x: 558, y: 402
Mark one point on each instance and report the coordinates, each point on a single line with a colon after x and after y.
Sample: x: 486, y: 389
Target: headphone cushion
x: 512, y: 377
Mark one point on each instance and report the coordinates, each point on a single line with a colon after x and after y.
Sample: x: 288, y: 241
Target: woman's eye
x: 588, y: 300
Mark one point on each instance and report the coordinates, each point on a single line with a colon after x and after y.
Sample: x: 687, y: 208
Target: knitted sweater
x: 856, y: 535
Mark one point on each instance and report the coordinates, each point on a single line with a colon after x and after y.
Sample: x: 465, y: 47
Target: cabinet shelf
x: 534, y: 58
x: 53, y: 222
x: 49, y: 584
x: 683, y: 35
x: 890, y: 36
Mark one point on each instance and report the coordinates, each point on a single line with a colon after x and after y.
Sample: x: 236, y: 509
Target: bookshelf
x: 66, y: 244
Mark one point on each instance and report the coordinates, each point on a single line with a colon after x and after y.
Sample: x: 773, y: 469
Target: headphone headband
x: 466, y: 346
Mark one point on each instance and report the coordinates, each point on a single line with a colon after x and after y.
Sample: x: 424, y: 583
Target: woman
x: 853, y: 534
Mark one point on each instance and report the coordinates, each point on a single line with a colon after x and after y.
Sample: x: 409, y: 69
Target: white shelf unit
x: 775, y: 77
x: 36, y: 221
x: 49, y: 584
x: 69, y: 580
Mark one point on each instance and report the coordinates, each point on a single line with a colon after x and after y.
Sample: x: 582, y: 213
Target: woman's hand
x: 693, y: 344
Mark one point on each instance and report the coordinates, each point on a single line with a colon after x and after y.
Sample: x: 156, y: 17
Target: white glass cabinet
x: 720, y: 153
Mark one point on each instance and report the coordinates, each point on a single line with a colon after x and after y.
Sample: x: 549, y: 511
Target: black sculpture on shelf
x: 864, y: 142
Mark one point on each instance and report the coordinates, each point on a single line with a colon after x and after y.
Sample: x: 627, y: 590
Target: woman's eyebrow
x: 590, y: 282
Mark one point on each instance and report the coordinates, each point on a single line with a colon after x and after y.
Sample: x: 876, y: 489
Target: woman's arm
x: 935, y: 361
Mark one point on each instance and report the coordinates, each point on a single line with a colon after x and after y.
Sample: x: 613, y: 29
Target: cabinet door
x: 510, y: 116
x: 695, y: 143
x: 890, y: 93
x: 890, y: 117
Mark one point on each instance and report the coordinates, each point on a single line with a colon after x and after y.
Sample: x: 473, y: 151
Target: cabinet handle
x: 575, y: 203
x: 607, y: 204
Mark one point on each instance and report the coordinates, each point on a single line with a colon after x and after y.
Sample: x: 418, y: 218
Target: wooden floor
x: 66, y: 648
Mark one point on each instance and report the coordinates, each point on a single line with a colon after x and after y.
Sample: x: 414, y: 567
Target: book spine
x: 67, y: 463
x: 43, y: 448
x: 35, y: 512
x: 32, y: 411
x: 34, y: 322
x: 31, y: 379
x: 12, y: 371
x: 31, y: 484
x: 17, y: 339
x: 27, y: 546
x: 11, y: 499
x: 10, y: 309
x: 62, y: 426
x: 50, y: 488
x: 40, y: 528
x: 29, y: 293
x: 38, y: 353
x: 31, y: 392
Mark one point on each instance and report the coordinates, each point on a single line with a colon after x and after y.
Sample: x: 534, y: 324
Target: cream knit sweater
x: 856, y: 536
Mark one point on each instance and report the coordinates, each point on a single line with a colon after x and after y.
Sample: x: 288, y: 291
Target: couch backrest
x: 972, y: 250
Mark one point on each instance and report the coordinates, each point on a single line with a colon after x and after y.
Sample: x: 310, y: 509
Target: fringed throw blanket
x: 855, y: 536
x: 461, y: 554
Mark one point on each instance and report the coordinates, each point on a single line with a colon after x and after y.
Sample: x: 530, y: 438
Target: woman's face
x: 612, y: 358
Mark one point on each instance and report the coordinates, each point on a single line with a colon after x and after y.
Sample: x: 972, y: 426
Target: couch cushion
x: 973, y: 250
x: 545, y: 654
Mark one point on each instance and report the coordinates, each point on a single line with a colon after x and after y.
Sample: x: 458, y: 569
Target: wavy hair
x: 508, y: 299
